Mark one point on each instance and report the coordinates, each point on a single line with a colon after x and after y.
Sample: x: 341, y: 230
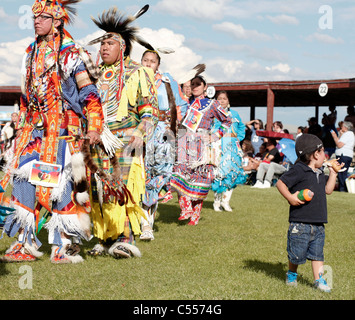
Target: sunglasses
x: 41, y: 18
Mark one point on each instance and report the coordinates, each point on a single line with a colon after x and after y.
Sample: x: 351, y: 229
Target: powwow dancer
x: 58, y: 100
x: 160, y: 149
x: 193, y: 172
x: 130, y: 105
x: 229, y: 172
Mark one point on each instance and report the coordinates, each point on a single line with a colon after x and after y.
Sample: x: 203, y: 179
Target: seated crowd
x: 264, y: 163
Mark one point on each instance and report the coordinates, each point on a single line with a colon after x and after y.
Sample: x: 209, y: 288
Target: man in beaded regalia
x: 130, y: 105
x: 60, y: 108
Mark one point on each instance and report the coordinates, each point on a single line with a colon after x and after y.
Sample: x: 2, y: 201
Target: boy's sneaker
x: 291, y: 278
x: 321, y: 284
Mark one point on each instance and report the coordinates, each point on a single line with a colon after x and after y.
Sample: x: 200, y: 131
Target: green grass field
x: 227, y: 256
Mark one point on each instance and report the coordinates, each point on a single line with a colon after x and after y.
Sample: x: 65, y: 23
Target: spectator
x: 300, y: 131
x: 8, y: 135
x: 340, y: 123
x: 254, y: 162
x: 344, y: 150
x: 351, y: 115
x: 277, y: 126
x: 256, y: 141
x: 269, y: 166
x: 262, y: 152
x: 5, y: 132
x: 332, y: 116
x: 314, y: 128
x: 307, y: 219
x: 327, y: 139
x: 251, y: 164
x: 248, y: 149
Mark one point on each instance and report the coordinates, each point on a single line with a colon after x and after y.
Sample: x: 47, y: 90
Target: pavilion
x: 341, y: 92
x: 269, y: 94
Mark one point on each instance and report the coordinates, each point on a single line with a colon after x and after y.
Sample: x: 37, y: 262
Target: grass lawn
x: 229, y: 256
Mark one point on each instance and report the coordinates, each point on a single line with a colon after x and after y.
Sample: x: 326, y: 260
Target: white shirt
x: 347, y: 149
x: 4, y: 133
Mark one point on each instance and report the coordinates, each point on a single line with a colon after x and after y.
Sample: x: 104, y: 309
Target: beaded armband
x: 83, y: 79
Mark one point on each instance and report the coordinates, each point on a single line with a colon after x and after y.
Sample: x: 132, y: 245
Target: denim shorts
x: 305, y: 241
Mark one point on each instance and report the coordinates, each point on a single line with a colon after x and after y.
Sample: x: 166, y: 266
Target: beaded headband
x: 58, y: 9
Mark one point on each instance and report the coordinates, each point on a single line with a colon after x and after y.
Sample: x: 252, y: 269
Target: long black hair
x: 152, y: 51
x: 61, y: 35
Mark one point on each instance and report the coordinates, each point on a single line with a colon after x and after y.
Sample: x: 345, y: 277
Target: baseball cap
x: 307, y: 143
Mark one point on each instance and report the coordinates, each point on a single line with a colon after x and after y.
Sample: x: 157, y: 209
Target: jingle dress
x: 229, y: 172
x: 160, y: 150
x: 193, y: 173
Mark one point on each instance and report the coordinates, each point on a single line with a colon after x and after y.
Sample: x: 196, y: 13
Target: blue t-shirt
x: 256, y: 141
x: 299, y: 177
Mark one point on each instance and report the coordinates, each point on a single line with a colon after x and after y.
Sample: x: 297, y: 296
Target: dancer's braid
x: 61, y: 35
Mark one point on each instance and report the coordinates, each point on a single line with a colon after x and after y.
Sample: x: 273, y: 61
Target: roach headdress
x: 119, y: 27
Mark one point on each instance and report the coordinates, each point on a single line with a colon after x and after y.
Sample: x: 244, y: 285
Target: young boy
x: 307, y: 218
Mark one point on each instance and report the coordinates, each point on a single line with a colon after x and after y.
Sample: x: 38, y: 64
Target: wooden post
x: 252, y: 113
x: 270, y: 109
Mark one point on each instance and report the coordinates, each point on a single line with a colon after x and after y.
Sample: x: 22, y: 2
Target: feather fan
x: 197, y: 70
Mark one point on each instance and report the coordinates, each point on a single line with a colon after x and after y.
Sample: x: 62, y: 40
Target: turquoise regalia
x: 229, y: 172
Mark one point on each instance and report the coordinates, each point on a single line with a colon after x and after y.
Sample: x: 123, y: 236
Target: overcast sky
x: 246, y: 40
